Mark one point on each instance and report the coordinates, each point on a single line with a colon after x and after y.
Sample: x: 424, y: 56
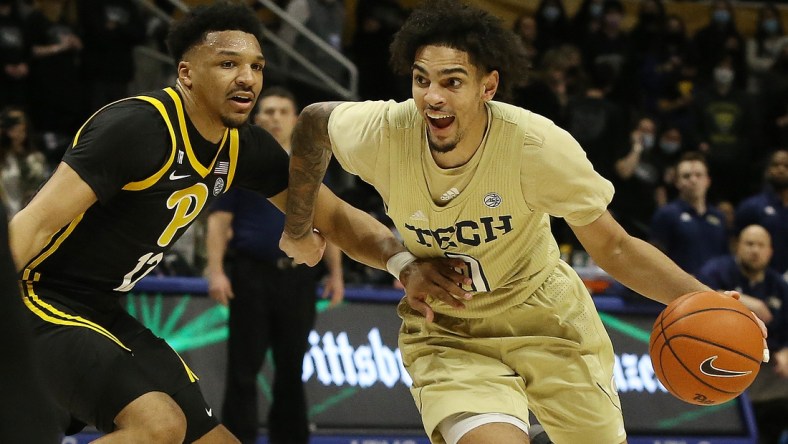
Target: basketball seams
x: 708, y: 342
x: 703, y: 310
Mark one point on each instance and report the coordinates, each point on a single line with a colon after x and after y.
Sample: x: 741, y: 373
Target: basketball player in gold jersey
x: 473, y: 179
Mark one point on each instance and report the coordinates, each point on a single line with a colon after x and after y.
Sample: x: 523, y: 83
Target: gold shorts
x: 550, y: 354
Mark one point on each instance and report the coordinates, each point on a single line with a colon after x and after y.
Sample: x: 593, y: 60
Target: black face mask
x: 7, y: 122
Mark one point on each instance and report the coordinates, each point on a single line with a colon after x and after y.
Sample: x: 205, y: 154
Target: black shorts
x: 95, y: 362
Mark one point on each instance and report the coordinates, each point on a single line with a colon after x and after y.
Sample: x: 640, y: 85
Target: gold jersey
x: 493, y: 212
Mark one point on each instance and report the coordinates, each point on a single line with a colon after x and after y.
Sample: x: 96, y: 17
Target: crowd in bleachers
x: 633, y: 86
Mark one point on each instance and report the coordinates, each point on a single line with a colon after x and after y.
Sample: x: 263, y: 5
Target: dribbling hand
x: 437, y: 278
x: 306, y: 250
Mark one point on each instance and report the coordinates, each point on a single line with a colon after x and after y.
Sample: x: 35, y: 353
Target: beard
x: 748, y: 268
x: 442, y: 149
x: 231, y: 122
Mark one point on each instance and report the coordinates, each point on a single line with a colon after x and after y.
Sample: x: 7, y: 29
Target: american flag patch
x: 221, y: 168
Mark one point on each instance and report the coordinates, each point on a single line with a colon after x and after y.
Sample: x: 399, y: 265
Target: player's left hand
x: 436, y: 278
x: 736, y: 295
x: 306, y: 250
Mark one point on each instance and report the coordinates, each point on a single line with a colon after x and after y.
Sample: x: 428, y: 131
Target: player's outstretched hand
x: 306, y: 250
x: 435, y: 278
x: 736, y: 295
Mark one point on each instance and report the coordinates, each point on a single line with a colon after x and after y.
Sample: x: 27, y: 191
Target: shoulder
x: 129, y: 118
x: 538, y: 131
x: 672, y: 208
x: 397, y: 113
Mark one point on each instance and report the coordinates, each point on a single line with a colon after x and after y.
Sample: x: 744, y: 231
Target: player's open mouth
x: 243, y: 101
x: 439, y: 120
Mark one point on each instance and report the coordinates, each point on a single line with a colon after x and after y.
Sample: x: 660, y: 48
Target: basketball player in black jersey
x: 136, y: 175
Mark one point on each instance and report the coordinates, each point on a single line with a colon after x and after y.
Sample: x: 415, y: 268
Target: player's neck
x: 210, y: 129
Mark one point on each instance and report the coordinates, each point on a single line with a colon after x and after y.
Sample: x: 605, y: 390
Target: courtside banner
x: 355, y: 378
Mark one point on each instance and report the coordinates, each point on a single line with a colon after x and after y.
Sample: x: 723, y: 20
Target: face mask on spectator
x: 551, y: 13
x: 722, y: 16
x: 647, y: 139
x: 770, y: 26
x: 723, y: 76
x: 669, y: 147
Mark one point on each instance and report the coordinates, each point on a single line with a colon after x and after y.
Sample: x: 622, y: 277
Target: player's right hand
x: 219, y: 288
x: 305, y: 250
x: 435, y: 278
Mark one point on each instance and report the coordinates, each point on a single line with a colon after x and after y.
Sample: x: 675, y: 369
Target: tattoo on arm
x: 311, y: 151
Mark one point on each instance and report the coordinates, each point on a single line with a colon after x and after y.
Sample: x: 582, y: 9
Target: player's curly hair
x: 490, y: 46
x: 220, y: 16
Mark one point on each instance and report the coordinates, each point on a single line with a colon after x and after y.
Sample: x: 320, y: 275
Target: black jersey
x: 153, y: 175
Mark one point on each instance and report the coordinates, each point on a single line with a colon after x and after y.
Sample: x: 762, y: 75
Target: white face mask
x: 723, y: 76
x: 669, y: 147
x: 648, y: 140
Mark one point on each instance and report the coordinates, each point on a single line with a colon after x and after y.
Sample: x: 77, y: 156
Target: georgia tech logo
x: 707, y: 368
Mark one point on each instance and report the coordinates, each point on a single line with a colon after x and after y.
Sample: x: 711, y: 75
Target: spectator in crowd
x: 689, y: 229
x: 14, y: 56
x: 723, y: 128
x: 22, y: 167
x: 548, y: 88
x: 770, y: 209
x: 597, y: 123
x: 587, y: 20
x: 325, y: 18
x: 376, y: 23
x: 526, y: 28
x: 765, y: 293
x: 720, y: 38
x: 553, y: 25
x: 671, y: 148
x: 637, y: 178
x: 271, y: 299
x: 774, y: 100
x: 611, y: 46
x: 676, y: 73
x: 56, y: 107
x: 111, y: 29
x: 646, y: 36
x: 763, y: 48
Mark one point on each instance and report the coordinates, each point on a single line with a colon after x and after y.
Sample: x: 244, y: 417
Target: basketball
x: 706, y: 348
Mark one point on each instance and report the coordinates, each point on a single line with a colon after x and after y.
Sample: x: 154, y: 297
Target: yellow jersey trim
x: 40, y: 258
x: 55, y: 316
x: 234, y: 143
x: 146, y: 183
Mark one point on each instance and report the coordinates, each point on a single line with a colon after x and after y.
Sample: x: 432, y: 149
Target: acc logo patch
x: 492, y: 200
x: 218, y: 186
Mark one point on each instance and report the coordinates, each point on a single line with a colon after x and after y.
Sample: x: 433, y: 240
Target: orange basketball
x: 706, y: 347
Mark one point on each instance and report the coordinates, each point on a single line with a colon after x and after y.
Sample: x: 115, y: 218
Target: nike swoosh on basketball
x: 209, y: 411
x: 174, y: 176
x: 708, y: 368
